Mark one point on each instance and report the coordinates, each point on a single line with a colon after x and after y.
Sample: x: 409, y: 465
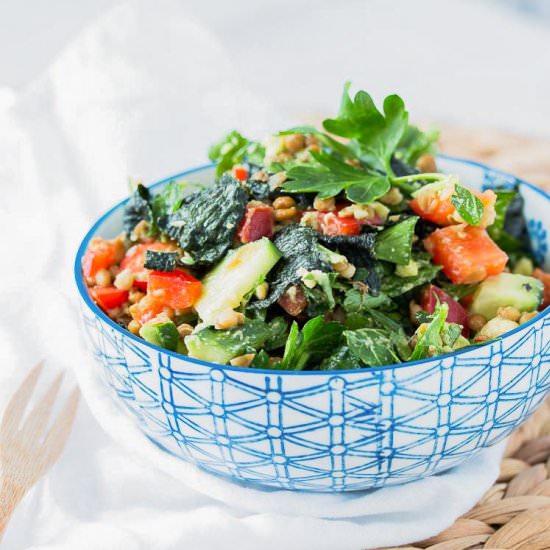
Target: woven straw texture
x: 515, y: 512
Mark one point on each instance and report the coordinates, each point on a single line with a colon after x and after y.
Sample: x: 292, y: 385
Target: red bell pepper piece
x: 146, y: 309
x: 135, y: 258
x: 176, y: 289
x: 240, y: 173
x: 108, y: 297
x: 332, y: 224
x: 101, y: 254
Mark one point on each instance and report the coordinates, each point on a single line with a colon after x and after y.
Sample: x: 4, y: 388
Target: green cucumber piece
x: 507, y: 289
x: 220, y: 346
x: 234, y: 277
x: 161, y: 333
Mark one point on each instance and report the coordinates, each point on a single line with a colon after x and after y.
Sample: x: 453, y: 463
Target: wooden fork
x: 27, y: 450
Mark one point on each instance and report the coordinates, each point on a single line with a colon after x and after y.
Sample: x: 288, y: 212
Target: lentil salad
x: 335, y: 249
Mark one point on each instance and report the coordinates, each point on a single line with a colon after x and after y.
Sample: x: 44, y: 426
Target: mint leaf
x: 393, y: 286
x: 372, y: 346
x: 261, y: 360
x: 317, y: 340
x: 467, y: 205
x: 395, y: 243
x: 356, y: 301
x: 430, y: 341
x: 330, y: 176
x: 341, y: 359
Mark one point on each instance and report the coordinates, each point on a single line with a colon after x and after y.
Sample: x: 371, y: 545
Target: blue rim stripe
x: 84, y: 294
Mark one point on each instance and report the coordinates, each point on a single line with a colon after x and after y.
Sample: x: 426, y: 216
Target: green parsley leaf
x: 467, y: 205
x: 395, y: 243
x: 496, y: 231
x: 325, y: 139
x: 232, y: 149
x: 376, y: 135
x: 330, y: 176
x: 416, y: 143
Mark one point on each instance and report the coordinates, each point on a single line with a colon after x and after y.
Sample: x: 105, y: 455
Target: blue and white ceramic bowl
x: 329, y: 431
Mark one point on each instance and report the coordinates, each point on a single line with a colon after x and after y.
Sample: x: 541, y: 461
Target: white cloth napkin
x: 142, y: 92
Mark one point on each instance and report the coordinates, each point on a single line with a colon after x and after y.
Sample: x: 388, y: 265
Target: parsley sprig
x: 362, y: 166
x: 330, y: 176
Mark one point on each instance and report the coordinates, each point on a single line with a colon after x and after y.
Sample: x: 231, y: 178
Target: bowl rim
x: 85, y: 296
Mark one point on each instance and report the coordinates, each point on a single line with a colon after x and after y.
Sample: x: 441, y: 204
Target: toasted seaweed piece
x: 137, y: 208
x: 359, y: 250
x: 206, y: 222
x: 160, y: 261
x: 298, y: 246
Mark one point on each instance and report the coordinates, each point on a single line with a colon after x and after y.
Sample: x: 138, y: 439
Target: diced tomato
x: 433, y: 203
x: 332, y: 224
x: 176, y: 289
x: 545, y: 278
x: 146, y: 309
x: 467, y: 254
x: 101, y: 254
x: 256, y: 223
x: 108, y: 297
x: 240, y: 173
x: 135, y: 258
x: 457, y: 314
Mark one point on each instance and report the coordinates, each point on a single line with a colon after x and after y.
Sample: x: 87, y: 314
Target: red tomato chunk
x: 257, y: 223
x: 176, y: 289
x: 108, y: 297
x: 467, y: 254
x: 457, y: 314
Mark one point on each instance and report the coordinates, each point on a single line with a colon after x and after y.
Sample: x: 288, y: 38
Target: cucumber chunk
x: 161, y: 333
x: 220, y: 346
x: 507, y: 289
x: 234, y: 277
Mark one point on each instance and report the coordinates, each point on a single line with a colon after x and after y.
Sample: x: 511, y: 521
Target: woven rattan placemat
x: 515, y: 512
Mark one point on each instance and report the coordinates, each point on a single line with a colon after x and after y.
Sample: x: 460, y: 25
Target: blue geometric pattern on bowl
x: 327, y: 431
x: 539, y: 239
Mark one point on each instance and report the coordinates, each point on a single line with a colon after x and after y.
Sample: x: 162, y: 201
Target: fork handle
x: 11, y: 494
